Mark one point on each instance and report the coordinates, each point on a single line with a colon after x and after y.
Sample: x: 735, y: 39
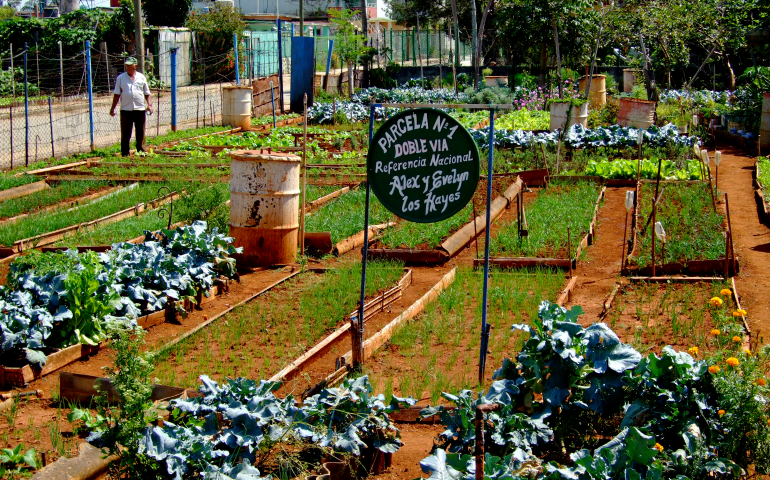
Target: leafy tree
x: 349, y: 45
x: 166, y: 13
x: 527, y: 32
x: 405, y: 12
x: 119, y: 29
x: 6, y: 12
x: 215, y: 31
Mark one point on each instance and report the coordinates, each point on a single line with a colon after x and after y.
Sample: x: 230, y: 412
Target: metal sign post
x: 423, y: 166
x: 484, y: 326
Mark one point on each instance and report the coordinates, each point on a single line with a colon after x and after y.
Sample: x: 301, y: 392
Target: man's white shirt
x: 132, y: 92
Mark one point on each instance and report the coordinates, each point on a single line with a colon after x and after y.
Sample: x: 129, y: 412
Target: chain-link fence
x: 57, y: 120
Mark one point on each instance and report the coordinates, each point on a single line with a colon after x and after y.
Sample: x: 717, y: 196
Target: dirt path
x: 752, y: 239
x: 601, y: 269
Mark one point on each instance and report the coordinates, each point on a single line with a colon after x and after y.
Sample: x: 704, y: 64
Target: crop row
x: 692, y: 226
x: 261, y: 337
x: 54, y: 300
x: 555, y: 209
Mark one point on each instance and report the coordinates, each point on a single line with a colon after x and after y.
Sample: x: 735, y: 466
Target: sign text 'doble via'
x: 423, y: 165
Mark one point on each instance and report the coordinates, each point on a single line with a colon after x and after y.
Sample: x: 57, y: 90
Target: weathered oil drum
x: 633, y: 112
x: 629, y: 78
x: 559, y: 115
x: 764, y: 128
x: 236, y: 106
x: 598, y: 96
x: 264, y: 207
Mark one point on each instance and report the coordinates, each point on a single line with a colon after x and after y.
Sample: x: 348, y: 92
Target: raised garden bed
x: 126, y: 203
x: 53, y: 283
x: 651, y: 315
x: 539, y: 235
x: 445, y: 239
x: 697, y: 233
x: 256, y: 340
x: 438, y: 350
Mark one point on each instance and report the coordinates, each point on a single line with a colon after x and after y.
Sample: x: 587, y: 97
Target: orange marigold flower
x: 721, y: 412
x: 693, y: 350
x: 714, y: 369
x: 715, y: 332
x: 733, y: 362
x: 737, y: 339
x: 742, y: 312
x: 736, y: 313
x: 748, y: 352
x: 716, y: 302
x: 761, y: 382
x: 658, y: 447
x: 726, y: 292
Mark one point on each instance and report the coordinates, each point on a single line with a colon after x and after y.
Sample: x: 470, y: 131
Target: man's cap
x: 130, y: 61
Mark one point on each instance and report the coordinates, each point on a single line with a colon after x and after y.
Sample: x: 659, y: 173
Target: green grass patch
x: 344, y: 216
x: 693, y: 229
x: 258, y: 339
x: 48, y: 222
x: 50, y: 196
x: 426, y: 235
x: 555, y: 208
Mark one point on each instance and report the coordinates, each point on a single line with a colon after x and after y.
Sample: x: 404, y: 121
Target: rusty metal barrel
x: 264, y: 206
x: 634, y: 112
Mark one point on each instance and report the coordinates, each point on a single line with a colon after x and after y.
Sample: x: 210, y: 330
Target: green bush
x: 8, y: 82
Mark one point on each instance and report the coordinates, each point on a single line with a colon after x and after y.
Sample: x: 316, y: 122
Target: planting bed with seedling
x: 438, y: 351
x: 428, y: 236
x: 344, y: 216
x: 553, y: 210
x: 260, y: 338
x: 693, y: 227
x: 49, y: 221
x: 701, y: 315
x: 58, y: 193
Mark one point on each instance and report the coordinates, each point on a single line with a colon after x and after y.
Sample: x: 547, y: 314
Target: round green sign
x: 423, y: 165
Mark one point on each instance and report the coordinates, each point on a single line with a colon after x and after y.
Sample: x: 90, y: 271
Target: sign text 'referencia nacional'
x: 423, y: 165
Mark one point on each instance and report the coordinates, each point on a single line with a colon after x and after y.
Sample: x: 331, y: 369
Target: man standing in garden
x: 133, y: 93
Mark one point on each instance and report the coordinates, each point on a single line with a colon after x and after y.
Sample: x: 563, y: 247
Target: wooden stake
x: 711, y: 189
x: 654, y: 219
x: 727, y: 252
x: 569, y: 251
x: 304, y: 179
x: 730, y: 232
x: 623, y: 249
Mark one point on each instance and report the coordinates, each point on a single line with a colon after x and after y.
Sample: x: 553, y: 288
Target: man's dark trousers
x: 129, y: 119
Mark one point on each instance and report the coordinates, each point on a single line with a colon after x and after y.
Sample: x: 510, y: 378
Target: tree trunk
x: 543, y: 65
x: 419, y: 54
x: 480, y: 42
x: 457, y: 42
x: 731, y: 76
x: 558, y: 59
x: 474, y: 47
x: 350, y: 78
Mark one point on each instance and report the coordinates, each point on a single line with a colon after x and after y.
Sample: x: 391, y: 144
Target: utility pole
x: 301, y: 18
x: 138, y: 36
